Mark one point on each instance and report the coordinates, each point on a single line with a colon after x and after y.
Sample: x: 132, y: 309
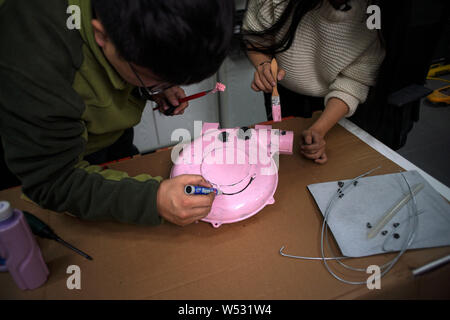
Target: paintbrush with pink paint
x: 219, y: 87
x: 276, y: 107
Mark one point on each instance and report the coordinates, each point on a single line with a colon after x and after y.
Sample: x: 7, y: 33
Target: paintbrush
x: 276, y: 107
x: 219, y: 87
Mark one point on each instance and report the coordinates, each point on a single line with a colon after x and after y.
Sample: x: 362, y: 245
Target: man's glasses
x: 149, y: 92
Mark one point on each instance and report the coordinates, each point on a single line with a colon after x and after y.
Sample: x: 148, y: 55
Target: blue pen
x: 189, y: 189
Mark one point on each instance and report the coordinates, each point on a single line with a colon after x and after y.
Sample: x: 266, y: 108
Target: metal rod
x: 73, y: 248
x: 394, y: 209
x: 432, y: 265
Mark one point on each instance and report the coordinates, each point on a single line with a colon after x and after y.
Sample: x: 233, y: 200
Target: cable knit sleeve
x: 353, y: 83
x: 259, y: 15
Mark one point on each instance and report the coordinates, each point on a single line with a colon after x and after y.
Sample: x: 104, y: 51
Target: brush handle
x: 276, y: 108
x: 274, y: 69
x: 194, y: 96
x: 185, y: 99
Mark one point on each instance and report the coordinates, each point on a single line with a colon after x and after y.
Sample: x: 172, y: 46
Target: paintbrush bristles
x: 219, y: 87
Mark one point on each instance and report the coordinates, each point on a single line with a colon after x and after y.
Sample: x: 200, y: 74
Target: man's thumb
x: 198, y: 180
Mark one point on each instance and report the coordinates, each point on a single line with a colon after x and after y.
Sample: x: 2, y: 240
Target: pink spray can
x: 19, y: 249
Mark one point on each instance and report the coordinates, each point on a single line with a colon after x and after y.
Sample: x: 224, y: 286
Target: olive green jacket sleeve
x: 42, y: 128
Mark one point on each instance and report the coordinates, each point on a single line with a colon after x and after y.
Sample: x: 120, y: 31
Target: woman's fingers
x: 323, y: 159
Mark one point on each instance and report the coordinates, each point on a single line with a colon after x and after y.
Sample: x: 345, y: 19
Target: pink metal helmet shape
x: 240, y: 163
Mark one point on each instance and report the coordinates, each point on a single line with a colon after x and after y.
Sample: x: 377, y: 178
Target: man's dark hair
x: 180, y: 41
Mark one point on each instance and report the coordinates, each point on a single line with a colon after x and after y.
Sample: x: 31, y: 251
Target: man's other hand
x: 179, y: 208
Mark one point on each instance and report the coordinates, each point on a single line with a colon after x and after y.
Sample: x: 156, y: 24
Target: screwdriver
x: 40, y: 229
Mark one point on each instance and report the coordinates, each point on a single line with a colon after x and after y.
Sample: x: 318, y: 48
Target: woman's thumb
x: 281, y: 74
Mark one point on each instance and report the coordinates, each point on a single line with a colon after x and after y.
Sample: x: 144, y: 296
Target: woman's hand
x: 313, y: 146
x: 263, y: 79
x: 313, y: 139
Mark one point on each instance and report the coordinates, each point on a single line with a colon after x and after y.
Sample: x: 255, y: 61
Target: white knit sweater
x: 334, y: 54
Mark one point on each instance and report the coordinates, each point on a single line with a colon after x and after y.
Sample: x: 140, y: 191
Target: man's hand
x: 171, y: 97
x: 263, y: 79
x: 179, y: 208
x: 313, y: 146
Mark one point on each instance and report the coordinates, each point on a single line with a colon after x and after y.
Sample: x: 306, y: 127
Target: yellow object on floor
x: 441, y: 95
x: 437, y: 70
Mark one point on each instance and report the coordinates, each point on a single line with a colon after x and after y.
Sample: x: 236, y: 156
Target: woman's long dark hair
x: 295, y: 8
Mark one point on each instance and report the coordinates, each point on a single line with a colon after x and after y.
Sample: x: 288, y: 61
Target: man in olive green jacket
x: 68, y: 94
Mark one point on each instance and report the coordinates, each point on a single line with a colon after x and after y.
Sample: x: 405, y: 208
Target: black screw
x: 384, y: 232
x: 223, y: 136
x: 369, y: 225
x: 341, y: 195
x: 340, y: 184
x: 283, y: 133
x: 355, y: 183
x: 396, y: 224
x: 242, y: 133
x: 396, y: 235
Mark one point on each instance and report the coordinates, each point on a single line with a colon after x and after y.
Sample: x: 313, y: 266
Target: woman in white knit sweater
x: 327, y: 59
